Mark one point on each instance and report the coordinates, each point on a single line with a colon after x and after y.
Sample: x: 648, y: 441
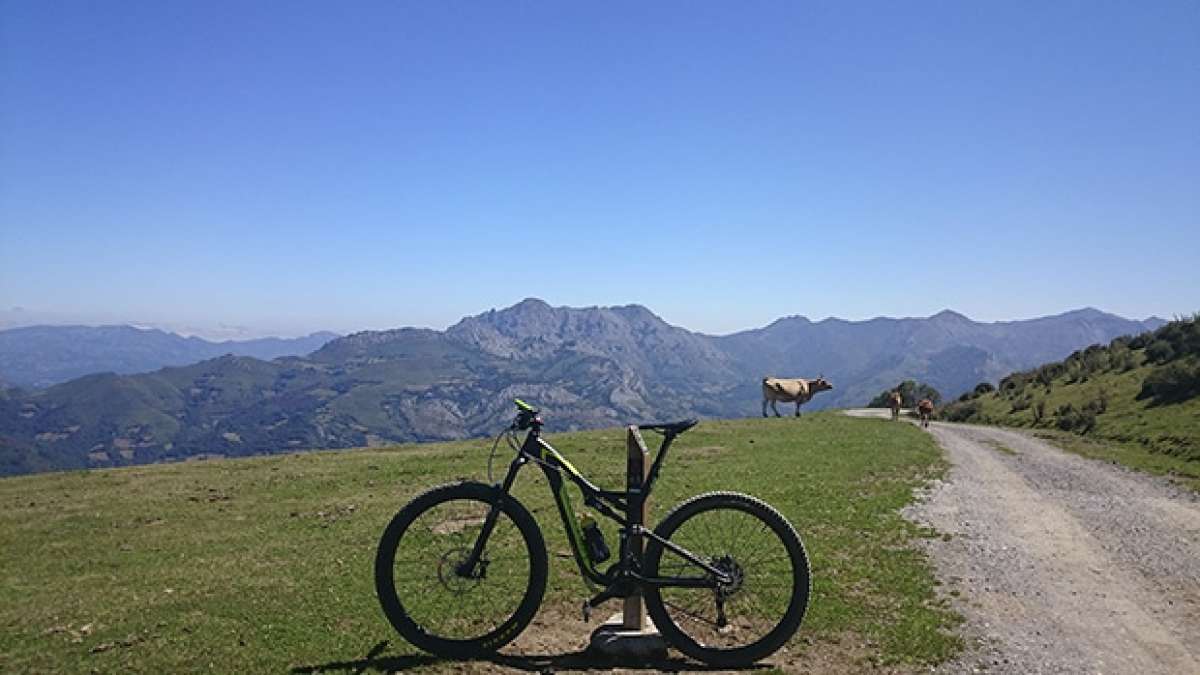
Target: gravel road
x: 1062, y: 564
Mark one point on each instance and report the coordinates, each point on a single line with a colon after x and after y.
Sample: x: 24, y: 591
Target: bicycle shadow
x: 376, y: 661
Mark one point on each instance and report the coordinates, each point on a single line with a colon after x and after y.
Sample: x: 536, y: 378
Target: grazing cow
x: 895, y: 400
x: 788, y: 390
x: 925, y: 410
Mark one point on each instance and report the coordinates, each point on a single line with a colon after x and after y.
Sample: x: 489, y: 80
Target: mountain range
x: 40, y: 356
x: 585, y: 367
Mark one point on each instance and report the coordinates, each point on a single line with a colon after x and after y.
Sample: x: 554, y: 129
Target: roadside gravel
x: 1062, y: 564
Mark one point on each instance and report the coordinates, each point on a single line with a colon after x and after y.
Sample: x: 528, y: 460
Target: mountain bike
x: 461, y: 569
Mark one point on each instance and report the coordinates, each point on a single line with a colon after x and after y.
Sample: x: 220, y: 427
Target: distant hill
x: 1144, y: 390
x: 948, y: 351
x: 587, y: 367
x: 40, y: 356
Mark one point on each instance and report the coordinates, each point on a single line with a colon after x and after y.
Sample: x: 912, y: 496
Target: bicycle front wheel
x: 426, y: 591
x: 764, y: 600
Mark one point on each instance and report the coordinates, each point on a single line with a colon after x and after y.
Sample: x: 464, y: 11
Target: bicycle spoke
x: 690, y: 614
x: 427, y: 577
x: 753, y: 557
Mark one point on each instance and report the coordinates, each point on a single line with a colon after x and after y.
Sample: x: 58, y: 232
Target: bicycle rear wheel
x: 761, y: 607
x: 430, y: 598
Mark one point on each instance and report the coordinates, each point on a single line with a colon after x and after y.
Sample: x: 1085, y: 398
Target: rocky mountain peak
x: 950, y: 316
x: 530, y: 304
x: 632, y: 335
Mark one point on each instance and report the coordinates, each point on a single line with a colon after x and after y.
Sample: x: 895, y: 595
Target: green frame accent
x: 575, y: 535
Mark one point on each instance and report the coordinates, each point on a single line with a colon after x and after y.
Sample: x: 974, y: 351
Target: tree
x: 910, y: 392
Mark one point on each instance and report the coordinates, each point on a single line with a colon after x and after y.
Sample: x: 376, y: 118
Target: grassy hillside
x: 1136, y: 400
x: 264, y: 564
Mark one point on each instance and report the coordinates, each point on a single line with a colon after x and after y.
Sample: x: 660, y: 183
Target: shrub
x: 1014, y: 385
x: 1065, y: 417
x: 1045, y: 377
x: 1183, y: 335
x: 1078, y: 421
x: 1087, y: 422
x: 1095, y: 360
x: 961, y: 412
x: 1190, y: 344
x: 1124, y: 360
x: 1172, y: 383
x: 1039, y: 411
x: 984, y: 388
x: 1020, y: 404
x: 1076, y: 371
x: 1160, y: 351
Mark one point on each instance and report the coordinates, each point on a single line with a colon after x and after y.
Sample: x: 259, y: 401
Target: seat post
x: 637, y: 507
x: 652, y: 473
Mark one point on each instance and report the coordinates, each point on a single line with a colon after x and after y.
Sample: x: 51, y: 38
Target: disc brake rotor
x: 448, y: 571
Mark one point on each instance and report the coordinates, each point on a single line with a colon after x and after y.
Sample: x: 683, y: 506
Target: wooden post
x: 637, y: 468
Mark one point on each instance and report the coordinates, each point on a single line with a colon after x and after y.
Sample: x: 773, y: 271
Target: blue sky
x: 296, y: 166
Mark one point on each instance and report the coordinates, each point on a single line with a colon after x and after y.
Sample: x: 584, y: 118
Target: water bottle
x: 593, y: 538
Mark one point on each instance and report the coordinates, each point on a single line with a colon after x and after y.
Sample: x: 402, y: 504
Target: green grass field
x: 265, y: 564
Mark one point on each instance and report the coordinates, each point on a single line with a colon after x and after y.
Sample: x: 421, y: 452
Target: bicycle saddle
x: 672, y: 428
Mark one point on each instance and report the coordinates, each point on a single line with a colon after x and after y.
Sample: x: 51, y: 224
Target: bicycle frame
x: 625, y: 576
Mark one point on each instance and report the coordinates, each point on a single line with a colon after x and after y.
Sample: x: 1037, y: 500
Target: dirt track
x: 1062, y: 564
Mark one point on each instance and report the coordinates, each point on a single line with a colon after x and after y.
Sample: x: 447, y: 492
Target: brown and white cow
x: 925, y: 410
x: 895, y: 401
x: 787, y: 390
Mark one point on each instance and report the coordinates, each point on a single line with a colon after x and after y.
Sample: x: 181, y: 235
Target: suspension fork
x: 471, y: 567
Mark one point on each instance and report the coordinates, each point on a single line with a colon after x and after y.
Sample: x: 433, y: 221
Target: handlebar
x: 527, y: 416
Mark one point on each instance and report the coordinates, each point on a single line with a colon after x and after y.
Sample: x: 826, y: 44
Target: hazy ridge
x: 587, y: 367
x: 41, y: 356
